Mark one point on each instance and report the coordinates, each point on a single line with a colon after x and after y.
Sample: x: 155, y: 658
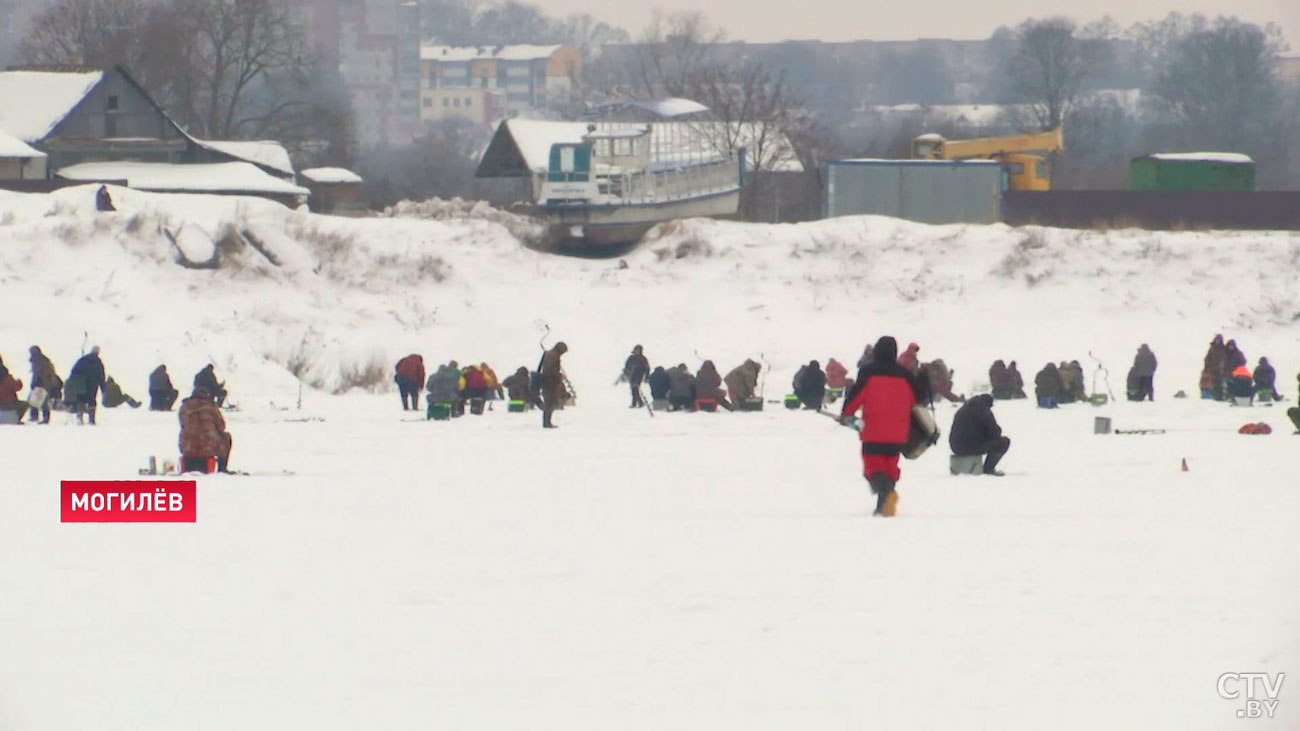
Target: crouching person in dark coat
x: 162, y: 395
x: 206, y: 379
x: 115, y: 397
x: 1294, y: 412
x: 976, y: 432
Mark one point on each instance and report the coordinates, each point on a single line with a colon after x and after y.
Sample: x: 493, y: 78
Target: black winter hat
x: 886, y: 350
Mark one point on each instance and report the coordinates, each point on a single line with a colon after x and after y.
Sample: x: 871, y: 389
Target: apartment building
x: 488, y: 83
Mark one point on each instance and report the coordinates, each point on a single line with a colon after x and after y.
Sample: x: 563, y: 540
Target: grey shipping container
x: 927, y: 191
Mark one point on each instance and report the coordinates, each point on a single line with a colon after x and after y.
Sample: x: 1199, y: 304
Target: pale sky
x: 843, y: 20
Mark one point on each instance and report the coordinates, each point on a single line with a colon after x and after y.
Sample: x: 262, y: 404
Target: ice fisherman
x: 885, y: 394
x: 975, y: 432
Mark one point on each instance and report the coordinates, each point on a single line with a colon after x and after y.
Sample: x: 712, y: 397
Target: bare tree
x: 449, y: 21
x: 511, y: 22
x: 589, y: 36
x: 439, y: 163
x: 229, y: 47
x: 1050, y: 67
x: 1154, y: 41
x: 96, y: 33
x: 671, y: 53
x: 750, y: 106
x: 313, y: 116
x: 1220, y: 87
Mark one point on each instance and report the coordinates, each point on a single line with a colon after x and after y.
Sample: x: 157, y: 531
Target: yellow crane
x: 1025, y: 171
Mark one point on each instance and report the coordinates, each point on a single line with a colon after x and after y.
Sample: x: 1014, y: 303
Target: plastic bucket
x: 517, y: 407
x: 1101, y: 425
x: 965, y: 465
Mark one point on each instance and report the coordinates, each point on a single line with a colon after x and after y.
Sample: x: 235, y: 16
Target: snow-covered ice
x: 683, y: 571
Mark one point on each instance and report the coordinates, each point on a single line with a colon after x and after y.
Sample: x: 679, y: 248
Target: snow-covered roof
x: 32, y: 103
x: 266, y: 153
x: 533, y: 138
x: 522, y: 52
x: 331, y: 175
x: 989, y: 114
x: 221, y: 177
x: 665, y: 108
x: 12, y: 147
x: 525, y: 52
x: 1231, y: 158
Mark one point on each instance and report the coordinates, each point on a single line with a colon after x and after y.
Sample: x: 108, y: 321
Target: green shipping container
x: 1192, y: 171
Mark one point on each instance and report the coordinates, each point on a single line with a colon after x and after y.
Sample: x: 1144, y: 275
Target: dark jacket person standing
x: 1144, y: 369
x: 84, y: 383
x: 634, y: 371
x: 552, y: 382
x: 976, y: 432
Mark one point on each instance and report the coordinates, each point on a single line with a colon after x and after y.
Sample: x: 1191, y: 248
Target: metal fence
x: 1154, y: 209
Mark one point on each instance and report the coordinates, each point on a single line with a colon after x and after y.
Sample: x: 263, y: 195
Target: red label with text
x: 128, y: 501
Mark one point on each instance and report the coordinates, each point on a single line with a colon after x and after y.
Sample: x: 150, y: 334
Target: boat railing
x: 643, y: 186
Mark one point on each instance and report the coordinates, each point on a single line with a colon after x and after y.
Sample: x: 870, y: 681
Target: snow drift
x: 267, y: 293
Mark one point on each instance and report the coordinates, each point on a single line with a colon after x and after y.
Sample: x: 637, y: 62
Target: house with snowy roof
x: 77, y: 114
x: 101, y: 120
x: 19, y: 160
x: 334, y: 190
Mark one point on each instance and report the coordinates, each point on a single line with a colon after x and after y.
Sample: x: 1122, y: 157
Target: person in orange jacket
x: 1241, y: 384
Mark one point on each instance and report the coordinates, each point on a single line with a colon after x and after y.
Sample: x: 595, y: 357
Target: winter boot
x: 886, y: 496
x: 223, y: 467
x: 890, y: 507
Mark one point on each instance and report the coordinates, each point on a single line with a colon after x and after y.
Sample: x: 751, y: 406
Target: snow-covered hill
x: 349, y: 295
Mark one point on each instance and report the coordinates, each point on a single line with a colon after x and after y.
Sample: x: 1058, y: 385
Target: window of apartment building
x: 455, y: 102
x: 428, y: 102
x: 468, y: 101
x: 446, y: 102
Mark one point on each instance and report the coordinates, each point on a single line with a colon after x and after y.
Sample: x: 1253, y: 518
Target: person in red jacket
x: 910, y: 360
x: 475, y: 384
x: 836, y: 374
x: 410, y: 379
x: 885, y: 393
